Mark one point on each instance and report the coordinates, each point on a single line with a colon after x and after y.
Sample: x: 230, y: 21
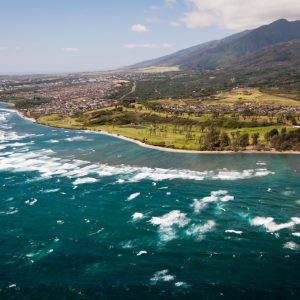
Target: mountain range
x: 270, y: 46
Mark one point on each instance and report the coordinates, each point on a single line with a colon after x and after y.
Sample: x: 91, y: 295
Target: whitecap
x: 271, y: 226
x: 50, y: 191
x: 137, y: 216
x: 142, y: 253
x: 133, y: 196
x: 234, y: 231
x: 43, y: 162
x: 127, y: 245
x: 78, y: 139
x: 96, y: 232
x: 227, y: 198
x: 297, y: 234
x: 162, y: 276
x: 181, y: 284
x: 169, y: 223
x: 12, y: 136
x: 288, y: 193
x: 52, y: 141
x: 291, y: 246
x: 31, y: 202
x: 198, y: 231
x: 215, y: 196
x: 84, y: 180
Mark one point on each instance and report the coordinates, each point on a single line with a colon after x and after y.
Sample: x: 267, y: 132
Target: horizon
x: 76, y: 37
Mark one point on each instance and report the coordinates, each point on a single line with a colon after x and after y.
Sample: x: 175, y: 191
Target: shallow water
x: 88, y: 216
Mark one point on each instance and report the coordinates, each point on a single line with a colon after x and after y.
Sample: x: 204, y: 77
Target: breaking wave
x: 47, y: 165
x: 271, y: 226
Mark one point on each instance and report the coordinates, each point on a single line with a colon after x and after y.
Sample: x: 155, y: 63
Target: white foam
x: 291, y: 246
x: 42, y: 161
x: 227, y: 198
x: 162, y: 276
x: 50, y: 191
x: 78, y: 139
x: 84, y: 180
x: 12, y: 136
x: 137, y: 216
x: 4, y: 116
x: 297, y: 234
x: 96, y: 232
x: 288, y: 193
x: 199, y: 231
x: 182, y: 284
x: 127, y: 245
x: 271, y: 226
x: 133, y: 196
x: 11, y: 211
x: 142, y: 253
x: 169, y: 223
x: 215, y: 196
x: 245, y: 174
x: 234, y: 231
x: 31, y: 202
x: 53, y: 141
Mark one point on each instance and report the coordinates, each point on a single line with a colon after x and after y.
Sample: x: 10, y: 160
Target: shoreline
x: 158, y: 148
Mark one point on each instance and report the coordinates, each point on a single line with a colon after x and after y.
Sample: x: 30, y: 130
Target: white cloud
x: 139, y: 28
x: 238, y: 14
x: 154, y: 7
x: 153, y: 20
x: 70, y: 49
x: 170, y: 3
x: 148, y: 46
x: 3, y: 48
x: 174, y: 24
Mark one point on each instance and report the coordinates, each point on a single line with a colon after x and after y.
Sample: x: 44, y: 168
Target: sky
x: 41, y: 36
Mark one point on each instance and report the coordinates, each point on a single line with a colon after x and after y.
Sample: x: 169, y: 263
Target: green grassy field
x: 164, y: 136
x: 252, y: 96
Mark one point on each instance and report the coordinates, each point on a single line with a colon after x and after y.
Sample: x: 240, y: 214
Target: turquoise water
x: 88, y: 216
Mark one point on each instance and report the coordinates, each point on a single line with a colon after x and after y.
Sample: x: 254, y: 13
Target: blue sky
x: 89, y: 35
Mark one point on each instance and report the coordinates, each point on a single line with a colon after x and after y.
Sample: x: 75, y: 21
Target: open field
x: 158, y: 69
x: 254, y: 96
x: 164, y: 134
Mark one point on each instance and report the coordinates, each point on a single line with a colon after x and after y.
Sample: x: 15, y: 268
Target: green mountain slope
x: 227, y: 51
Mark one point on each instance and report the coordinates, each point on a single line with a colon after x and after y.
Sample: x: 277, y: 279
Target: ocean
x: 89, y: 216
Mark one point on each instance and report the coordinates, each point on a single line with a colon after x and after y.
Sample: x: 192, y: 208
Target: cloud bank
x: 238, y: 14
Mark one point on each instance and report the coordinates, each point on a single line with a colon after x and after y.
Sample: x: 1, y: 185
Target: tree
x: 211, y: 140
x: 255, y: 139
x: 243, y: 140
x: 224, y: 140
x: 269, y: 135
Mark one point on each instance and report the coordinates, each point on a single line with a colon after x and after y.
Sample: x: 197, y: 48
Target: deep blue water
x: 88, y: 216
